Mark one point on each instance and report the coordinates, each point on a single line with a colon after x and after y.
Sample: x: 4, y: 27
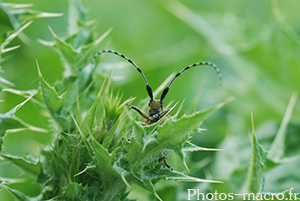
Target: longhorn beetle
x: 155, y: 108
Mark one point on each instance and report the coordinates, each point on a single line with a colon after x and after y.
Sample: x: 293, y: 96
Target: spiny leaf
x: 168, y: 136
x: 16, y: 194
x: 89, y: 49
x: 74, y: 191
x: 178, y: 176
x: 15, y: 18
x: 26, y: 94
x: 66, y: 50
x: 111, y: 180
x: 7, y: 24
x: 89, y: 120
x: 150, y: 142
x: 53, y: 101
x: 11, y: 37
x: 3, y: 82
x: 20, y: 14
x: 76, y: 56
x: 276, y: 153
x: 5, y: 43
x: 103, y: 159
x: 157, y: 173
x: 109, y: 136
x: 149, y: 185
x: 75, y: 16
x: 32, y: 168
x: 9, y: 121
x: 174, y: 130
x: 150, y: 176
x: 256, y: 172
x: 86, y: 169
x: 190, y: 147
x: 84, y: 138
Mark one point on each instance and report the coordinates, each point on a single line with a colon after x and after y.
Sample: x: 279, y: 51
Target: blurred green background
x: 255, y: 44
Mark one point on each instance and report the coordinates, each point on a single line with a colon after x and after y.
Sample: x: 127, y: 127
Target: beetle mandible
x: 155, y: 108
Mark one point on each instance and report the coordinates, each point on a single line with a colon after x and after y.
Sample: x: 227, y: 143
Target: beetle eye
x: 150, y: 102
x: 161, y: 104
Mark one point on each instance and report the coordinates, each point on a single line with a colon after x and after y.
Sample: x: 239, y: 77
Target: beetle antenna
x: 186, y: 68
x: 149, y: 90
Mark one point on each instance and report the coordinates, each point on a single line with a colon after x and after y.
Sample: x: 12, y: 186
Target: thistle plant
x: 99, y: 149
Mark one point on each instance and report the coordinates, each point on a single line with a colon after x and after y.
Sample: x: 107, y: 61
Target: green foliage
x: 96, y: 154
x: 261, y: 163
x: 102, y: 153
x: 14, y: 19
x: 91, y: 147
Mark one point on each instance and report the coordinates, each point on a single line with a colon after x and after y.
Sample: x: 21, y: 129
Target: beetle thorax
x: 155, y: 107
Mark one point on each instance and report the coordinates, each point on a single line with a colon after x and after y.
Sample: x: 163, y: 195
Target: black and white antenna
x: 163, y: 95
x: 149, y: 90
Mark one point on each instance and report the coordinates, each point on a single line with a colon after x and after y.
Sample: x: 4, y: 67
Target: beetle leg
x: 162, y: 114
x: 164, y: 160
x: 140, y: 112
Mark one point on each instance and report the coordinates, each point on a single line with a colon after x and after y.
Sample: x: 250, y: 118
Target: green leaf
x: 6, y: 22
x: 190, y: 147
x: 256, y: 172
x: 178, y: 176
x: 149, y: 185
x: 77, y: 17
x: 26, y: 94
x: 14, y: 18
x: 171, y: 134
x: 74, y: 191
x: 150, y: 176
x: 150, y: 142
x: 89, y: 120
x: 75, y: 55
x: 12, y: 36
x: 66, y: 50
x: 103, y: 159
x: 111, y: 180
x: 53, y: 101
x: 9, y: 122
x: 276, y: 152
x: 84, y: 138
x: 3, y: 82
x: 48, y: 169
x: 110, y: 135
x: 19, y: 14
x: 30, y: 167
x: 16, y: 194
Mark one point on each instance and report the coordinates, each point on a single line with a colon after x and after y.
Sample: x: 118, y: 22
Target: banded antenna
x: 163, y: 95
x: 149, y: 90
